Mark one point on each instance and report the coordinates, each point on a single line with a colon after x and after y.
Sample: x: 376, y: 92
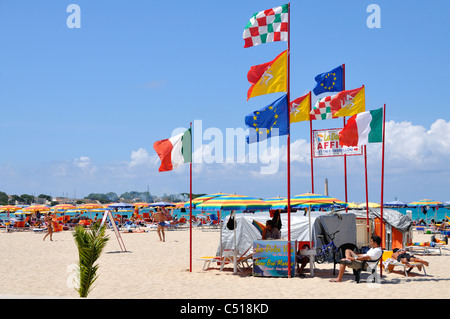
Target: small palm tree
x: 90, y: 244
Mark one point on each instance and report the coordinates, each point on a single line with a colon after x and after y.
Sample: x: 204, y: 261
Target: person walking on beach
x: 160, y: 218
x: 48, y: 222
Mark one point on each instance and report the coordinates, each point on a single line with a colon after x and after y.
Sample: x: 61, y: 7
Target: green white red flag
x: 174, y: 151
x: 363, y: 128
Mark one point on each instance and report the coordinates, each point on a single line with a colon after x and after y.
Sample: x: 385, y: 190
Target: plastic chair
x: 341, y: 253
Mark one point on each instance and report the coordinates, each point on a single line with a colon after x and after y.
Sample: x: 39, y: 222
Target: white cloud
x: 141, y: 157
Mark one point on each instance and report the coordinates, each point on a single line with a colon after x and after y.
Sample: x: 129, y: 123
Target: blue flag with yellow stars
x: 269, y: 121
x: 329, y: 81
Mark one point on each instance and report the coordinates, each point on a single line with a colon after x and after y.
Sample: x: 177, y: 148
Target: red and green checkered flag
x: 267, y: 26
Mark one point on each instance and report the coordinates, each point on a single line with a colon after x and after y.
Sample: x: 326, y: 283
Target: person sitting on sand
x: 353, y: 259
x: 271, y: 232
x: 402, y: 256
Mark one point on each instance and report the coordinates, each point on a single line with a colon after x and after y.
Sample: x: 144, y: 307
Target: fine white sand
x: 152, y: 269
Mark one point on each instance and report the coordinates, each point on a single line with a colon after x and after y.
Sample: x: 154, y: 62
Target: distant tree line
x: 105, y: 198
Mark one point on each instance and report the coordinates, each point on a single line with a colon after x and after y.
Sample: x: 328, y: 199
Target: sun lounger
x: 390, y: 263
x: 425, y: 248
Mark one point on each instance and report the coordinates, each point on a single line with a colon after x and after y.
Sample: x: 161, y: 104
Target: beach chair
x: 20, y: 225
x: 390, y: 263
x: 57, y: 227
x: 227, y: 258
x: 146, y: 217
x: 424, y: 248
x: 341, y: 253
x: 361, y: 266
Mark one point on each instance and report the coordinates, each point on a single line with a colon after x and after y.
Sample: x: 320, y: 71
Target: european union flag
x: 269, y: 121
x: 329, y: 81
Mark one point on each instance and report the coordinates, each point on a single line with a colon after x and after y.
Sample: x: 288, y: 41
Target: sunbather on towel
x: 402, y: 256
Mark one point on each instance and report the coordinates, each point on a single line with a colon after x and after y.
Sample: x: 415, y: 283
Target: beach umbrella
x: 89, y: 206
x: 180, y: 204
x: 353, y: 205
x: 234, y: 202
x: 161, y: 204
x: 395, y: 203
x: 371, y: 205
x: 201, y: 199
x: 140, y: 204
x: 63, y: 207
x: 308, y: 200
x: 425, y: 202
x: 36, y: 208
x: 9, y: 208
x: 120, y: 205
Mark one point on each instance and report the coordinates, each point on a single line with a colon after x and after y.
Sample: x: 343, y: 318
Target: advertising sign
x: 326, y: 144
x: 270, y: 258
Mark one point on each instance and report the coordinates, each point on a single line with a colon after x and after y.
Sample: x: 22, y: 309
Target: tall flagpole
x: 289, y: 140
x: 367, y: 196
x: 345, y: 155
x: 190, y: 207
x: 382, y: 184
x: 311, y: 144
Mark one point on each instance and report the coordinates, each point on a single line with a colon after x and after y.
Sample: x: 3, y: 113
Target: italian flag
x: 363, y: 128
x: 174, y: 151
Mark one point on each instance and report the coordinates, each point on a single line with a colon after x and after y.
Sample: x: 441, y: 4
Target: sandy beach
x: 33, y: 268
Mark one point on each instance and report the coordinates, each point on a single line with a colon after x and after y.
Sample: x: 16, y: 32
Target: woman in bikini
x: 48, y: 222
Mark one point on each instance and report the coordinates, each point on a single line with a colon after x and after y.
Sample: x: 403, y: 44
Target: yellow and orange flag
x: 268, y: 77
x: 299, y: 110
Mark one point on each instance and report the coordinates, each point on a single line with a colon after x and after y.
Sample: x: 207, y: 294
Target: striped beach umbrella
x: 63, y: 207
x: 308, y: 200
x: 89, y: 206
x: 9, y: 208
x: 198, y: 200
x: 234, y: 202
x: 36, y: 208
x: 425, y: 202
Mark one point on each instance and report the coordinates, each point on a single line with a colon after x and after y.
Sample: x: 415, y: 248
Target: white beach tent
x: 321, y: 223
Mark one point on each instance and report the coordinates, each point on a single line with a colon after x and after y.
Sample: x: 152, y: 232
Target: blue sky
x: 81, y: 108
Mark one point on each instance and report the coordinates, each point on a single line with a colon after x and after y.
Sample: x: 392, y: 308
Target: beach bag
x: 230, y: 223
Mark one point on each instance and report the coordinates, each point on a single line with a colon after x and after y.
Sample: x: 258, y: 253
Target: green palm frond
x: 90, y: 244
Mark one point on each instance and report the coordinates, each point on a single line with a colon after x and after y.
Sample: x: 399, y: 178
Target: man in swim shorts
x: 161, y: 220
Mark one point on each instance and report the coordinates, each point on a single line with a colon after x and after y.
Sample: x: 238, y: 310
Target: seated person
x: 271, y: 232
x: 402, y: 256
x: 352, y: 259
x: 301, y: 260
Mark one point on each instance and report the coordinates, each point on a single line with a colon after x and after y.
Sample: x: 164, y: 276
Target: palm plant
x: 90, y: 244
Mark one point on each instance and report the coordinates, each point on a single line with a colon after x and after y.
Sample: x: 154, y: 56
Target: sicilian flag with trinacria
x: 363, y: 128
x: 345, y: 103
x: 268, y: 77
x: 299, y: 110
x: 267, y: 26
x: 174, y: 151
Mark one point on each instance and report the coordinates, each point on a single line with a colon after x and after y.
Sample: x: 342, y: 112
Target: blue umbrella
x: 160, y: 204
x: 121, y: 205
